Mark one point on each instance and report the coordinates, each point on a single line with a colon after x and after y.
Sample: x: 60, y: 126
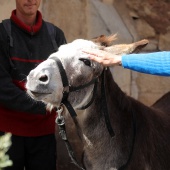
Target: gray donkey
x: 117, y: 131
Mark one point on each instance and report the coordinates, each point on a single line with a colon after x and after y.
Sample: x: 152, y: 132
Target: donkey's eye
x: 86, y: 61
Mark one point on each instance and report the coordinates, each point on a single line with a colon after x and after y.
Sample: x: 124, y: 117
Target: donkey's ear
x: 126, y: 48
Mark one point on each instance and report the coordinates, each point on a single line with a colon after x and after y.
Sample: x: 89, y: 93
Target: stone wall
x: 151, y: 20
x: 6, y: 7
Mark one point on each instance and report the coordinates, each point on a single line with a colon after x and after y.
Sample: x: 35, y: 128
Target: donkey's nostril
x: 43, y: 78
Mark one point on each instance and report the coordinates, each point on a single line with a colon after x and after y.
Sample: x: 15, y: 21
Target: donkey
x: 131, y: 136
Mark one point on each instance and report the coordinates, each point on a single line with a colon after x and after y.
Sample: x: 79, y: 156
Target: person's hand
x: 103, y: 57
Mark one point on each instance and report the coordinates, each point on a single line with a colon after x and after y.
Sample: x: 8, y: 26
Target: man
x: 32, y: 127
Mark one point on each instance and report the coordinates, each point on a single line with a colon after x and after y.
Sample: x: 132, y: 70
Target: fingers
x: 93, y: 52
x: 103, y: 57
x: 98, y: 56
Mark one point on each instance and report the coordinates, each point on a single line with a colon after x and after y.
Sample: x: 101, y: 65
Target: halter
x: 66, y: 90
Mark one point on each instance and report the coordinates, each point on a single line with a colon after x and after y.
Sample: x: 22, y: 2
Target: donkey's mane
x: 105, y: 41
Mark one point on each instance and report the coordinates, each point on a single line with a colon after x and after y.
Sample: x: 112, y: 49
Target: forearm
x: 157, y: 63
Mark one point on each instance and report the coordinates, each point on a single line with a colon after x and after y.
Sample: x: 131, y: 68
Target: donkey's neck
x: 118, y: 103
x: 116, y: 98
x: 92, y: 121
x: 97, y: 140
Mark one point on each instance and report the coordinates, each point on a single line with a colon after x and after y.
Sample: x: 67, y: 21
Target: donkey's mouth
x: 37, y: 94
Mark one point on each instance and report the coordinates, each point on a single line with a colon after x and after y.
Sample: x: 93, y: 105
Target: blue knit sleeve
x: 157, y: 63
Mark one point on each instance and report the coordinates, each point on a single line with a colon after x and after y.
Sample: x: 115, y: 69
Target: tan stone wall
x: 151, y: 20
x: 6, y: 7
x: 69, y: 15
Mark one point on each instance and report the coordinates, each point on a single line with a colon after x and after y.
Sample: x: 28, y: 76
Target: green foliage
x: 5, y: 143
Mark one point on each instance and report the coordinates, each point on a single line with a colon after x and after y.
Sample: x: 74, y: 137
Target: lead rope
x: 62, y: 132
x: 104, y: 106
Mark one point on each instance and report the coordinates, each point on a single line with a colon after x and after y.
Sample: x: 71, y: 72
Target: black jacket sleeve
x: 14, y: 98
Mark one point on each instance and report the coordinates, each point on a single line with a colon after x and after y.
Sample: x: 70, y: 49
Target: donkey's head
x: 46, y: 82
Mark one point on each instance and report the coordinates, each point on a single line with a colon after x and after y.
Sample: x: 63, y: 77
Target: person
x: 155, y: 63
x: 31, y: 125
